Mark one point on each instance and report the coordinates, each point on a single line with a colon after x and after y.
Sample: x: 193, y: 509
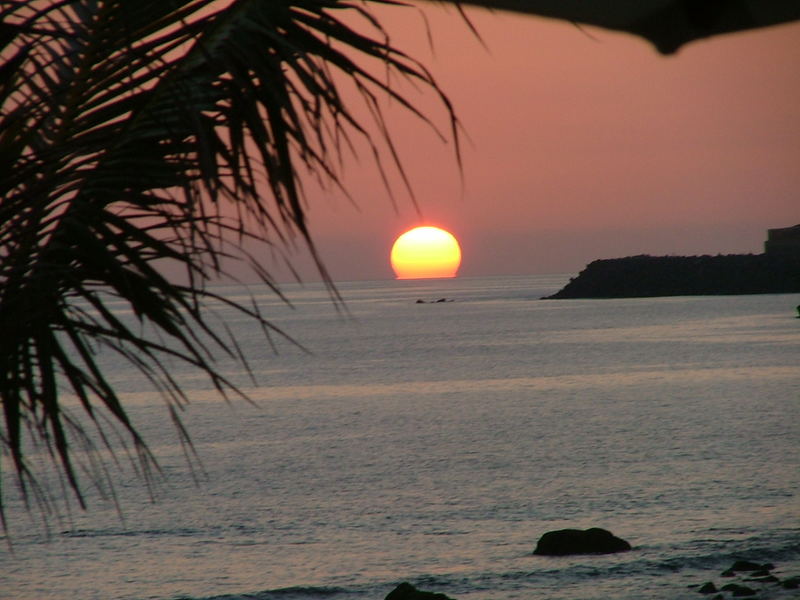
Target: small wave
x: 304, y: 592
x: 95, y: 533
x: 289, y: 593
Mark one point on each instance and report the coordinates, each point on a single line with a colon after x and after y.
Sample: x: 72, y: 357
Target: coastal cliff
x: 647, y: 276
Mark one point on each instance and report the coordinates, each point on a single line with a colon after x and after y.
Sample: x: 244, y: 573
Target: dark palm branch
x: 138, y: 132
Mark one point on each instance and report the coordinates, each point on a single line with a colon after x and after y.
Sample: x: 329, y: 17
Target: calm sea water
x: 434, y: 443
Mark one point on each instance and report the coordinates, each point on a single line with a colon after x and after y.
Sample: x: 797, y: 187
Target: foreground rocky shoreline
x: 750, y: 579
x: 650, y: 276
x: 744, y: 579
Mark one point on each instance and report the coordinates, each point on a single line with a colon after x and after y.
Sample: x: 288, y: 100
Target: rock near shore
x: 406, y: 591
x: 758, y: 577
x: 577, y: 541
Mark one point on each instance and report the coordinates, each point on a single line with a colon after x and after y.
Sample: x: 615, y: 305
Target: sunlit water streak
x: 435, y: 442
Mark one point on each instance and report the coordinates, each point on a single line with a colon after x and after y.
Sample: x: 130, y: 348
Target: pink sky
x: 583, y: 144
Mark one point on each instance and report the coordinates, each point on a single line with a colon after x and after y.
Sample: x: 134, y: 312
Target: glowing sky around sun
x: 579, y: 144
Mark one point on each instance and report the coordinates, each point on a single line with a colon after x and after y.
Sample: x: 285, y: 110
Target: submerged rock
x: 577, y: 541
x: 738, y: 590
x: 746, y: 565
x: 792, y: 583
x: 752, y: 573
x: 708, y: 588
x: 761, y: 573
x: 406, y: 591
x: 763, y: 579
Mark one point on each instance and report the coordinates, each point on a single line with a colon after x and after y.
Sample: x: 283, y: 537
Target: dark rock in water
x: 406, y: 591
x: 746, y: 565
x: 761, y: 573
x: 576, y: 541
x: 728, y: 573
x: 420, y: 301
x: 763, y: 579
x: 792, y: 583
x: 738, y: 590
x: 708, y: 588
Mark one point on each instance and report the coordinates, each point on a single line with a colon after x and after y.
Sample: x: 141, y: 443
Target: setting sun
x: 425, y: 252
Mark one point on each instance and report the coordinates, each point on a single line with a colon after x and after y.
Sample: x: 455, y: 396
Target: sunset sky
x: 582, y: 144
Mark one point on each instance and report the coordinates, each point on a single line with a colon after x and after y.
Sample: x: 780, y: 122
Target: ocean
x: 435, y: 442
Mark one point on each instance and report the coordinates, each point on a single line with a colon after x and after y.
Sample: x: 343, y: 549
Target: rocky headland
x: 648, y: 276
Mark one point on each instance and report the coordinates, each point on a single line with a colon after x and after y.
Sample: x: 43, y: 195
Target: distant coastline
x: 649, y: 276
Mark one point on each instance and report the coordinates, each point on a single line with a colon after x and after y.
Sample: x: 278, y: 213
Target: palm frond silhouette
x: 138, y: 133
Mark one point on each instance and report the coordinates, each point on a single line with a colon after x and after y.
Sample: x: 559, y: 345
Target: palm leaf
x: 128, y: 131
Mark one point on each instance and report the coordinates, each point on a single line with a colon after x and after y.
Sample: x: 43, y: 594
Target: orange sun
x: 425, y: 252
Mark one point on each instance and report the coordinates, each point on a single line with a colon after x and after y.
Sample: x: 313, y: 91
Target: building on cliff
x: 783, y: 242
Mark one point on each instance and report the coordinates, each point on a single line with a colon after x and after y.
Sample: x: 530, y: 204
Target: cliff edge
x: 647, y: 276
